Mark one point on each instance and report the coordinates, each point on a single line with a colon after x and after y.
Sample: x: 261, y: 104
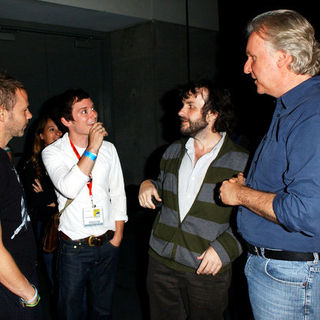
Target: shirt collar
x: 298, y: 94
x: 190, y: 144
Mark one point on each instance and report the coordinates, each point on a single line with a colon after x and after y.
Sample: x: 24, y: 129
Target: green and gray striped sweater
x: 178, y: 244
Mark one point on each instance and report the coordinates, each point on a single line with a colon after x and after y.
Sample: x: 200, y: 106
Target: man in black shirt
x: 19, y: 298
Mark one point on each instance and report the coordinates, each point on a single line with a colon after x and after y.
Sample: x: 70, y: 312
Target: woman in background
x: 39, y: 190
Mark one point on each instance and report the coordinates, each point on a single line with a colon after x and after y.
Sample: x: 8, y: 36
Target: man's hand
x: 234, y: 193
x: 115, y: 242
x: 147, y: 190
x: 211, y: 262
x: 118, y: 234
x: 96, y: 134
x: 230, y: 190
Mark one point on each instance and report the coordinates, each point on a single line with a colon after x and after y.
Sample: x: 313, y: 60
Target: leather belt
x: 281, y: 255
x: 92, y: 241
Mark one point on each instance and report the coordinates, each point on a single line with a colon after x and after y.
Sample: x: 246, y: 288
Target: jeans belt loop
x: 257, y: 251
x: 316, y: 257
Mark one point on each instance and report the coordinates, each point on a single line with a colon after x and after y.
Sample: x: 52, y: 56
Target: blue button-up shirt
x: 287, y: 163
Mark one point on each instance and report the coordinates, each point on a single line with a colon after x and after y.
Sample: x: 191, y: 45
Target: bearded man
x: 192, y: 244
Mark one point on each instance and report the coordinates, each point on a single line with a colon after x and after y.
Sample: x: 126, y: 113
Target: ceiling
x: 52, y: 14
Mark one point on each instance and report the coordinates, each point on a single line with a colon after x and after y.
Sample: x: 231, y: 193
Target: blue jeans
x: 83, y: 268
x: 283, y: 290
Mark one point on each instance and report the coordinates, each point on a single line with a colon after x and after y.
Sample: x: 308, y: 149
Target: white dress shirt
x: 191, y: 175
x: 70, y: 182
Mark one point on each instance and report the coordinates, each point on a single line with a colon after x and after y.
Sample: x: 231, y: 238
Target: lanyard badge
x: 94, y: 215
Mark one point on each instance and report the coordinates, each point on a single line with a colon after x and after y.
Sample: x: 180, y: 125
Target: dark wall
x: 148, y: 62
x: 130, y: 74
x: 50, y: 60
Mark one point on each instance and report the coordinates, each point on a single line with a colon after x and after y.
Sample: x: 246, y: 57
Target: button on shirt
x: 70, y: 182
x: 287, y: 163
x: 191, y: 175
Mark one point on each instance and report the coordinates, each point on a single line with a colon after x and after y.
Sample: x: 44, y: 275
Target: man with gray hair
x: 19, y: 297
x: 280, y: 198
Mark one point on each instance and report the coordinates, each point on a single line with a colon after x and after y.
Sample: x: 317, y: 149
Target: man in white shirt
x: 87, y: 170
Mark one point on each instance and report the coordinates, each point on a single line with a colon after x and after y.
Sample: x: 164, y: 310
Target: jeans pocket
x: 112, y: 246
x: 69, y: 250
x: 294, y: 273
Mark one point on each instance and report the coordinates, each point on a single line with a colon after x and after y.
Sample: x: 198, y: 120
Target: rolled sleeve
x: 117, y: 191
x: 297, y: 205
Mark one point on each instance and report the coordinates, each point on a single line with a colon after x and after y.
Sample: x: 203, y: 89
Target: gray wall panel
x: 127, y: 72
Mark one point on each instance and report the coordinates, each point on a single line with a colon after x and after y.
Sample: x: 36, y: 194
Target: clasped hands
x: 230, y: 190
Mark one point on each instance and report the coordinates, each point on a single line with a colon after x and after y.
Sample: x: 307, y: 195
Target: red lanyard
x: 89, y: 184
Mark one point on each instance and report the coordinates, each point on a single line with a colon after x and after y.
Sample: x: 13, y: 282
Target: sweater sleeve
x: 171, y: 151
x: 227, y: 247
x: 158, y: 183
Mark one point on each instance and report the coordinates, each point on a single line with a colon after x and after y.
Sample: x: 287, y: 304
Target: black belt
x: 281, y: 255
x: 92, y: 241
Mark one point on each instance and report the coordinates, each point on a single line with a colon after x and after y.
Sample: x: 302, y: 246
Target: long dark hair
x: 38, y: 145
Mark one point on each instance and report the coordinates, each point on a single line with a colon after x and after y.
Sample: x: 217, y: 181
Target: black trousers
x: 178, y: 295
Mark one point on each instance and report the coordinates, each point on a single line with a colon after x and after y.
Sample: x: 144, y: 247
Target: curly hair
x: 38, y: 146
x: 218, y: 100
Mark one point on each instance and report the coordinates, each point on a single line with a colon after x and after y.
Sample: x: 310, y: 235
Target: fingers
x: 233, y: 180
x: 145, y: 200
x: 98, y: 129
x: 230, y: 190
x: 209, y: 267
x: 37, y: 186
x: 96, y: 134
x: 241, y: 178
x: 114, y: 242
x: 201, y: 257
x: 146, y: 192
x: 224, y: 185
x: 211, y: 262
x: 52, y: 205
